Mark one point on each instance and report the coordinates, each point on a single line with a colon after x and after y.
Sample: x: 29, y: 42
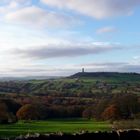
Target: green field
x: 67, y: 126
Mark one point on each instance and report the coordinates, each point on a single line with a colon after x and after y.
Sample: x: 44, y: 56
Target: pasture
x: 52, y: 126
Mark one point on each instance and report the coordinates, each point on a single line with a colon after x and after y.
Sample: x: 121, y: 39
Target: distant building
x: 83, y: 70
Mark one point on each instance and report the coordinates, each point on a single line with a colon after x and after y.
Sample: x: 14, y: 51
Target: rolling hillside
x: 82, y: 82
x: 105, y: 74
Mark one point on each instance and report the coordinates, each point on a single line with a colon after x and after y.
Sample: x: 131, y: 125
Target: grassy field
x: 67, y: 126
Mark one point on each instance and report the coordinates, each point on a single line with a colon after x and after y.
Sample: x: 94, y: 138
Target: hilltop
x: 103, y: 74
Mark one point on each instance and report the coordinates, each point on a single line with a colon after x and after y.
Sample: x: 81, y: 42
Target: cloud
x: 104, y: 64
x: 108, y: 29
x: 112, y: 66
x: 6, y: 2
x: 67, y: 50
x: 8, y: 6
x: 136, y: 57
x: 39, y: 70
x: 69, y: 69
x: 97, y: 8
x: 3, y: 2
x: 39, y: 17
x: 19, y: 3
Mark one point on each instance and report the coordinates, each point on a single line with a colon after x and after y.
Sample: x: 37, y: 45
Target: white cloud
x: 3, y: 2
x: 38, y: 17
x: 97, y: 8
x: 35, y: 47
x: 108, y: 29
x: 15, y: 4
x: 136, y: 57
x: 67, y: 50
x: 25, y: 12
x: 111, y: 67
x: 67, y: 69
x: 8, y: 6
x: 15, y: 37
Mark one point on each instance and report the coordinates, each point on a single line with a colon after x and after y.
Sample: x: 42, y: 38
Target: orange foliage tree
x: 28, y: 112
x: 32, y: 112
x: 111, y: 113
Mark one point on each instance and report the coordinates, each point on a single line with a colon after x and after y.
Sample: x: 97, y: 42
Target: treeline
x: 41, y: 112
x: 117, y: 107
x: 120, y: 106
x: 68, y: 98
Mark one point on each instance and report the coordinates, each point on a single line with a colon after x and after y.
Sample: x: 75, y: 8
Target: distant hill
x: 79, y: 83
x: 28, y: 78
x: 104, y: 75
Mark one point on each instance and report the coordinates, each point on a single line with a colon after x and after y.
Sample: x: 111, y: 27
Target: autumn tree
x: 32, y: 112
x: 111, y: 113
x: 100, y: 107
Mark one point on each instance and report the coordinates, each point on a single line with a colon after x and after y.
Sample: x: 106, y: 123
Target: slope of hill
x: 104, y: 74
x: 79, y: 83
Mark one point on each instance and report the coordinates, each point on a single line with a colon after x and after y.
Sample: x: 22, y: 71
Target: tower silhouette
x: 83, y: 70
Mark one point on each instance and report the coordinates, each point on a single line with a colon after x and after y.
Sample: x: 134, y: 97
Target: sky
x: 60, y: 37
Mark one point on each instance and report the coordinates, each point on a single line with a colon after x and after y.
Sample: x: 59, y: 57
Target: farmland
x: 45, y: 106
x: 61, y: 125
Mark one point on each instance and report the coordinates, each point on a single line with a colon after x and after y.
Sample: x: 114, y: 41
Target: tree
x: 128, y: 105
x: 32, y: 112
x: 88, y: 113
x: 100, y: 107
x: 5, y: 115
x: 111, y: 113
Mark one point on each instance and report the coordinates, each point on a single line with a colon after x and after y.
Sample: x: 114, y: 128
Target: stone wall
x: 114, y: 135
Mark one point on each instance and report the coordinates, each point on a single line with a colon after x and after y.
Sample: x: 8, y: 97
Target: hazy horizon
x: 57, y: 76
x: 60, y: 37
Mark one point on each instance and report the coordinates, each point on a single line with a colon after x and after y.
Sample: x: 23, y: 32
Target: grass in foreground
x: 67, y: 126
